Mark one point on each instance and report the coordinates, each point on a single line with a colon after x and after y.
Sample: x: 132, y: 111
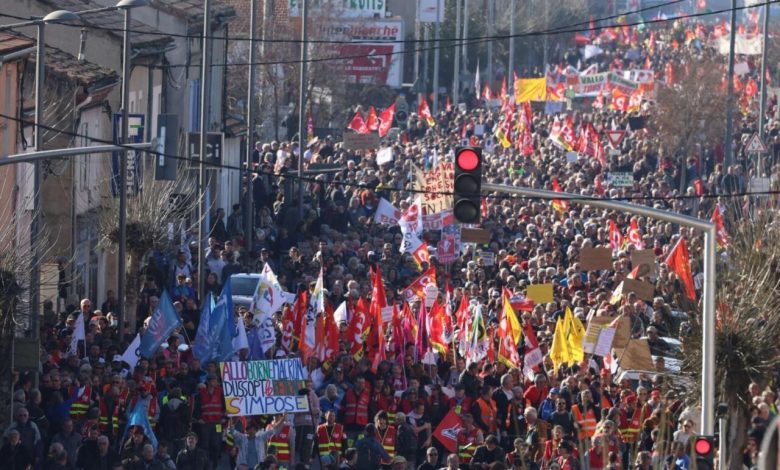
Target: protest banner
x: 645, y: 260
x: 635, y: 356
x: 438, y: 188
x: 643, y: 290
x: 540, y: 293
x: 264, y: 387
x: 620, y: 179
x: 361, y: 141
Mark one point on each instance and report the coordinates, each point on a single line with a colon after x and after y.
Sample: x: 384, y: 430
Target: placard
x: 488, y: 258
x: 593, y: 259
x: 354, y: 141
x: 643, y: 290
x: 540, y: 293
x: 384, y: 156
x: 645, y: 259
x: 264, y: 387
x: 620, y: 179
x: 635, y: 356
x: 604, y: 343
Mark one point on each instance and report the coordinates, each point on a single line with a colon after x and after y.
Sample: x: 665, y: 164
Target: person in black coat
x: 14, y: 455
x: 192, y: 457
x: 96, y: 454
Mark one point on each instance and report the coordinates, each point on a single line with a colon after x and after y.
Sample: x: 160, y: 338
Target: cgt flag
x: 132, y: 353
x: 162, y: 323
x: 447, y: 431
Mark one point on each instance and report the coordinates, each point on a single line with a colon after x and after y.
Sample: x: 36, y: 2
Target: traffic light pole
x: 708, y: 297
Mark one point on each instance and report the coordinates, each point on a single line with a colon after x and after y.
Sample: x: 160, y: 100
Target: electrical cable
x: 368, y: 41
x: 291, y: 175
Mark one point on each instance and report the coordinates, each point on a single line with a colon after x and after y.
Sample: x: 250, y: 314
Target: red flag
x: 421, y: 340
x: 635, y: 236
x: 376, y: 334
x: 425, y: 112
x: 422, y: 255
x: 533, y: 355
x: 437, y: 331
x: 751, y: 88
x: 372, y: 122
x: 598, y: 103
x: 288, y: 328
x: 698, y: 187
x: 357, y: 124
x: 484, y: 208
x: 679, y: 261
x: 615, y: 237
x: 328, y: 341
x: 447, y: 431
x: 669, y: 74
x: 721, y: 234
x: 598, y: 187
x: 358, y: 328
x: 619, y: 101
x: 418, y: 285
x: 509, y: 333
x: 299, y: 311
x: 738, y: 85
x: 487, y: 93
x: 386, y: 120
x: 559, y: 205
x: 448, y: 104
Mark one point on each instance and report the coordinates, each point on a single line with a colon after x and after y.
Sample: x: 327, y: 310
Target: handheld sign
x: 264, y: 387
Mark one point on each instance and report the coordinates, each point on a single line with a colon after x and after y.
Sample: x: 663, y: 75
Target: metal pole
x: 512, y: 32
x: 491, y: 26
x: 722, y: 449
x: 426, y: 59
x: 708, y: 294
x: 456, y: 72
x: 249, y: 217
x: 121, y: 274
x: 35, y: 223
x: 728, y: 141
x: 417, y: 52
x: 436, y: 58
x: 302, y: 102
x: 764, y: 87
x: 465, y: 37
x: 546, y: 40
x: 205, y: 78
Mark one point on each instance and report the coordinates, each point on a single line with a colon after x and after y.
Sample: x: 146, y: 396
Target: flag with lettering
x: 314, y: 309
x: 163, y: 322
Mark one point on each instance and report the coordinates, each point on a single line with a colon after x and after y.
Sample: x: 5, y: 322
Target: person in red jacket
x: 210, y: 412
x: 355, y: 409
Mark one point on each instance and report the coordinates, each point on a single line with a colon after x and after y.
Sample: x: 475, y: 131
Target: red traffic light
x: 467, y: 160
x: 703, y: 446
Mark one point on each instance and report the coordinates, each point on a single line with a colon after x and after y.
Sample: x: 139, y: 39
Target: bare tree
x: 690, y: 111
x: 154, y: 219
x: 746, y: 346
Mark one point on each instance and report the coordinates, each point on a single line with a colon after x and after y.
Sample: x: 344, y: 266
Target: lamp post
x: 57, y: 16
x: 126, y: 6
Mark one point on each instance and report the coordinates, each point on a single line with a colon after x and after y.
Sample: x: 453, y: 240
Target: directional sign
x: 615, y: 137
x: 755, y: 145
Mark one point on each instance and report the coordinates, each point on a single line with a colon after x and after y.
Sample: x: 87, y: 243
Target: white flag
x: 411, y: 223
x: 340, y: 314
x: 78, y: 335
x: 314, y: 309
x: 268, y: 298
x: 132, y: 353
x: 240, y: 341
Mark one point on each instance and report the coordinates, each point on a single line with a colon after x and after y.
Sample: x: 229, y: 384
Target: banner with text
x: 264, y: 387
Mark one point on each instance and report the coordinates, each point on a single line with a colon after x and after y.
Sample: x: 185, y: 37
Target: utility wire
x: 292, y: 175
x: 368, y: 41
x: 463, y: 42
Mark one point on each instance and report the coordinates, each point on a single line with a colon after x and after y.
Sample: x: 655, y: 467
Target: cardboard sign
x: 480, y: 236
x: 540, y: 293
x: 643, y: 290
x: 635, y: 356
x: 594, y: 259
x: 645, y: 259
x: 264, y: 387
x: 354, y: 141
x: 622, y: 333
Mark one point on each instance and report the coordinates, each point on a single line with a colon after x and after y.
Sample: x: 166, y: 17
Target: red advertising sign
x: 367, y: 63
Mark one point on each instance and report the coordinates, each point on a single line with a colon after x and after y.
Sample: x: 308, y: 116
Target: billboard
x: 341, y: 8
x: 374, y: 54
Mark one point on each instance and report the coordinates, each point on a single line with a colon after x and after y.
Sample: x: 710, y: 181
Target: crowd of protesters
x: 74, y: 413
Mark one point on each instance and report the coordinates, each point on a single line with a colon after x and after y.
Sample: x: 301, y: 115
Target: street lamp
x: 126, y: 6
x: 58, y: 16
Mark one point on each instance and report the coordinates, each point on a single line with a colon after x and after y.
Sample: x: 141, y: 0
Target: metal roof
x: 12, y: 43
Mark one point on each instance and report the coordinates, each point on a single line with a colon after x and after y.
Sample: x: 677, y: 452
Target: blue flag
x: 201, y: 347
x: 164, y: 320
x: 223, y: 323
x: 138, y: 417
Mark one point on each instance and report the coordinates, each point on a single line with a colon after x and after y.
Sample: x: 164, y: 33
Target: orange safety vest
x: 388, y: 442
x: 328, y: 443
x: 111, y: 416
x: 630, y: 432
x: 488, y: 412
x: 81, y: 403
x: 356, y: 407
x: 467, y: 445
x: 211, y: 405
x: 281, y: 441
x: 587, y: 423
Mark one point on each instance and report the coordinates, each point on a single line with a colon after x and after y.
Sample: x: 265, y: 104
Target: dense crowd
x: 366, y: 416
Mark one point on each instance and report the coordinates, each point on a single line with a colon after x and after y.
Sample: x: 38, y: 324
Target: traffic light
x: 704, y: 448
x: 467, y: 201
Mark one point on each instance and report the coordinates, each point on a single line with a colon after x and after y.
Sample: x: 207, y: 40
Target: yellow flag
x: 530, y: 89
x: 575, y: 334
x: 514, y: 325
x: 559, y: 353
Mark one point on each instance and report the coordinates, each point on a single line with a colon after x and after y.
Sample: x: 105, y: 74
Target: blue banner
x: 164, y: 320
x: 138, y: 417
x: 201, y: 347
